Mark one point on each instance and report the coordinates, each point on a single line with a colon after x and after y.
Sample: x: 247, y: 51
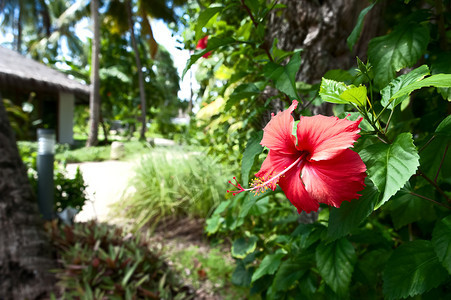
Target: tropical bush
x: 173, y: 183
x: 100, y: 261
x: 69, y: 191
x: 208, y: 270
x: 394, y: 240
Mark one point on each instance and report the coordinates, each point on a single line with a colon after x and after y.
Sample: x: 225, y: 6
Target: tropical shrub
x: 394, y: 240
x: 100, y: 261
x: 68, y: 192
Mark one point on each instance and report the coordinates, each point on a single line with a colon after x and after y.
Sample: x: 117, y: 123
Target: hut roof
x: 22, y: 72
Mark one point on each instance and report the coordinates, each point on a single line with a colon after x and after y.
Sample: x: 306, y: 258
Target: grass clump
x: 98, y: 153
x: 174, y: 183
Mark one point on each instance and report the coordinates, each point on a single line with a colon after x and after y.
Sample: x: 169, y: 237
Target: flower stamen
x: 261, y: 184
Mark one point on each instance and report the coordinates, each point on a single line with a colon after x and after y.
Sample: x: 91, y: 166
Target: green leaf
x: 406, y: 208
x: 242, y: 247
x: 439, y: 80
x: 330, y: 91
x: 222, y: 206
x: 253, y: 148
x: 243, y: 91
x: 400, y: 82
x: 291, y: 270
x: 269, y: 265
x: 442, y: 65
x: 399, y: 49
x: 213, y: 224
x: 441, y: 239
x: 284, y: 77
x: 371, y: 264
x: 444, y: 128
x: 335, y: 263
x: 412, y: 269
x: 355, y: 95
x: 242, y: 276
x: 338, y: 75
x: 351, y: 214
x: 436, y: 156
x: 354, y: 36
x: 213, y: 44
x: 130, y: 273
x: 391, y: 166
x: 205, y: 16
x: 261, y: 207
x: 249, y: 201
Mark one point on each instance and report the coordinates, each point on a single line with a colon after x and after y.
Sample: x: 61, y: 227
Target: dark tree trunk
x: 142, y: 92
x: 19, y: 29
x: 104, y: 128
x: 25, y: 252
x: 320, y: 29
x: 94, y: 98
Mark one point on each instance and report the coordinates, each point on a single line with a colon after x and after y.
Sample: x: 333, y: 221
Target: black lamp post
x: 46, y: 152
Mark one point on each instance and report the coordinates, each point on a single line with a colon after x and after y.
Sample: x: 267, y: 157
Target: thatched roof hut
x: 22, y: 72
x: 54, y: 94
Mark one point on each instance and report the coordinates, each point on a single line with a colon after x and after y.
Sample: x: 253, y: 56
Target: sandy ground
x: 106, y: 181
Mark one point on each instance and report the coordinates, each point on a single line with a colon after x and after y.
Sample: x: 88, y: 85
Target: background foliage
x: 392, y: 242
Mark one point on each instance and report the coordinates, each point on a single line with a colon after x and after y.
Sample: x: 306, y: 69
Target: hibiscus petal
x: 326, y: 137
x: 277, y: 134
x: 336, y: 180
x: 274, y: 164
x: 294, y: 189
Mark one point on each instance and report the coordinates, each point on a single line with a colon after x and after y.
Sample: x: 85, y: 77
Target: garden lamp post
x: 46, y: 151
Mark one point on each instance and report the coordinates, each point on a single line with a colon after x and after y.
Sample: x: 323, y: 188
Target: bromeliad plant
x: 100, y: 261
x: 382, y: 226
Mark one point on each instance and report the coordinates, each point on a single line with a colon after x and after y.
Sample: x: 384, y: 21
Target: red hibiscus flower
x: 202, y: 44
x: 315, y: 166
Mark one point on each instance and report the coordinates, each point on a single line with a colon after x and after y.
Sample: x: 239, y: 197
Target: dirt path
x: 106, y: 182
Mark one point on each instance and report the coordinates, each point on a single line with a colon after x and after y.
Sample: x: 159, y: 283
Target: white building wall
x: 66, y: 118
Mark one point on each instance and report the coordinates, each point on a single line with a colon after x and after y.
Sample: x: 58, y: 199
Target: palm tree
x: 94, y: 98
x: 142, y: 92
x: 63, y: 16
x: 22, y: 14
x: 158, y: 9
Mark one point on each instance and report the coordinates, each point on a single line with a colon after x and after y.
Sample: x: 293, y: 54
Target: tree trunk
x: 94, y: 98
x: 320, y: 28
x: 25, y: 252
x: 142, y: 92
x: 19, y: 29
x: 104, y: 128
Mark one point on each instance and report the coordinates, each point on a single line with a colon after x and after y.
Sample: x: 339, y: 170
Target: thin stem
x: 434, y: 185
x: 379, y: 134
x: 429, y: 199
x: 249, y: 12
x: 388, y: 122
x: 425, y: 145
x: 410, y: 232
x: 255, y: 23
x: 310, y: 102
x: 441, y: 163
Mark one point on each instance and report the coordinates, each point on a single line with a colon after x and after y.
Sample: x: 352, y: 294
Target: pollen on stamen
x: 258, y: 186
